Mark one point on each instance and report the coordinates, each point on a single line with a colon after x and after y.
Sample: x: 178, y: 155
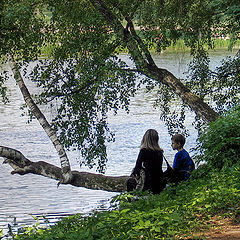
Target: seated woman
x: 150, y: 159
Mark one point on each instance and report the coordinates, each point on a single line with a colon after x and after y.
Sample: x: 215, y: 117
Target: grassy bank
x: 176, y: 213
x: 180, y: 46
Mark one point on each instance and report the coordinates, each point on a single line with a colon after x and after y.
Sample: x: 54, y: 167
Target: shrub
x: 220, y: 142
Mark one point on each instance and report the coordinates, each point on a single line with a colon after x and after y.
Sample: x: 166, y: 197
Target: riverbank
x: 217, y: 43
x: 192, y: 209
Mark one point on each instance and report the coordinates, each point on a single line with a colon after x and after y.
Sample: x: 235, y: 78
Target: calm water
x: 22, y: 197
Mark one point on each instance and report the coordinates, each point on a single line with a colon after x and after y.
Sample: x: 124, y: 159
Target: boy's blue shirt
x: 183, y: 162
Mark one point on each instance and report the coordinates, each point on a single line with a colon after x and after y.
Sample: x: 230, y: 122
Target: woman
x: 150, y: 159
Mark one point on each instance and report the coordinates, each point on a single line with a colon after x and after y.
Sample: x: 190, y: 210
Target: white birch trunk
x: 65, y: 164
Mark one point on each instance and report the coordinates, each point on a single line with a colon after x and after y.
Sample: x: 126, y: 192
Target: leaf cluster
x: 21, y: 29
x: 220, y: 142
x: 82, y: 91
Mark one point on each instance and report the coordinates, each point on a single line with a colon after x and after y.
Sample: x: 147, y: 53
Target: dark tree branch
x: 140, y: 42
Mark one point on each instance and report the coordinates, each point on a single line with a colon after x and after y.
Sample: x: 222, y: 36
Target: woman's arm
x: 138, y: 166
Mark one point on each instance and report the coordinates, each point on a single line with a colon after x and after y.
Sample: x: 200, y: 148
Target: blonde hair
x: 150, y: 140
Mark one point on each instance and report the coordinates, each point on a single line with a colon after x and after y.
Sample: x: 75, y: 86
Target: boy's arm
x: 176, y: 162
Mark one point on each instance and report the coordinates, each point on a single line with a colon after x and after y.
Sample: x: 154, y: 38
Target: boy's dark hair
x: 179, y: 138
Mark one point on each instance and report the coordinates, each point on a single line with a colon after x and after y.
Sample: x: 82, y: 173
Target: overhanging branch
x: 21, y: 165
x: 150, y: 69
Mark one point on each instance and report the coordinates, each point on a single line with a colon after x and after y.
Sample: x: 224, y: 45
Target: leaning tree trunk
x: 21, y: 165
x: 146, y: 65
x: 65, y: 164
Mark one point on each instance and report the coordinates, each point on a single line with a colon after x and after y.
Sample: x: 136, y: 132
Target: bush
x: 220, y: 142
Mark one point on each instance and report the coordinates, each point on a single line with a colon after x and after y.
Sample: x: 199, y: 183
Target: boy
x: 183, y: 163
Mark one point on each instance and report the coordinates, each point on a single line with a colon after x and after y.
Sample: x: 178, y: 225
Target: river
x: 23, y: 198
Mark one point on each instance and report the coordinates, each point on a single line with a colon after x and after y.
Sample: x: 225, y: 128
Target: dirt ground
x: 223, y: 229
x: 226, y: 233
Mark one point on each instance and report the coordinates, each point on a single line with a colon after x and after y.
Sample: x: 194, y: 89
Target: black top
x: 151, y: 161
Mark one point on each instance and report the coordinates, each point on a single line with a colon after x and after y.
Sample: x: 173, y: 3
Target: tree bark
x: 202, y: 109
x: 65, y: 164
x: 21, y: 165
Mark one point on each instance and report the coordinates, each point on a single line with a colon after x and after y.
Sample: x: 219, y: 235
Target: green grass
x: 179, y: 46
x: 177, y: 211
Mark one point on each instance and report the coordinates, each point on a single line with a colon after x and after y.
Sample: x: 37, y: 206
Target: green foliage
x: 83, y: 90
x: 227, y: 16
x: 172, y: 20
x: 220, y: 142
x: 177, y: 211
x: 227, y: 84
x: 220, y: 86
x: 21, y: 29
x: 199, y: 79
x: 3, y: 89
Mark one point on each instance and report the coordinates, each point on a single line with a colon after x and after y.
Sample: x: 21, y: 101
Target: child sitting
x: 182, y: 164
